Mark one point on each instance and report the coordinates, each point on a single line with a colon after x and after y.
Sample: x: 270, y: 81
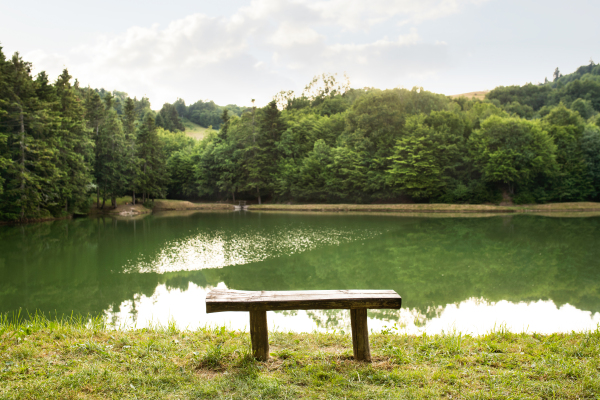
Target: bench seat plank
x: 238, y: 300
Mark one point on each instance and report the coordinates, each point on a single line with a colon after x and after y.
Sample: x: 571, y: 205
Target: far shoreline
x: 575, y: 207
x: 128, y: 210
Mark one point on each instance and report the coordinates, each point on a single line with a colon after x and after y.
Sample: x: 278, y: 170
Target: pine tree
x: 94, y: 117
x: 168, y: 118
x: 141, y: 107
x: 4, y: 102
x: 26, y: 122
x: 224, y: 125
x: 74, y: 145
x: 152, y: 177
x: 111, y: 158
x: 160, y: 122
x: 557, y: 75
x: 131, y: 154
x: 261, y: 155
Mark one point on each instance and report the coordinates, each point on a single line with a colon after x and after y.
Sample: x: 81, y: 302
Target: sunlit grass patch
x: 196, y: 131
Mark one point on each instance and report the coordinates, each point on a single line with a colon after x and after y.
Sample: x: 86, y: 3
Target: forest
x: 66, y: 148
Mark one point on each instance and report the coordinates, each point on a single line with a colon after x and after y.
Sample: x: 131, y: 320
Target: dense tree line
x: 336, y: 144
x: 204, y: 113
x: 62, y: 145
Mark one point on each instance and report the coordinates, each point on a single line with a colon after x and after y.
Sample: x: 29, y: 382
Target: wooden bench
x: 258, y: 303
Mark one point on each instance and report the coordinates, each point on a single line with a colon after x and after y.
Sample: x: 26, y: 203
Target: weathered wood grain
x: 237, y: 300
x: 259, y: 335
x: 360, y: 334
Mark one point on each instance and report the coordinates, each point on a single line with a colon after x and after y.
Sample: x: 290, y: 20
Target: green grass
x: 194, y: 130
x: 77, y: 358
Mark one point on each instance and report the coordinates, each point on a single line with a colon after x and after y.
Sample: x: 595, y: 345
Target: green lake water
x: 470, y: 274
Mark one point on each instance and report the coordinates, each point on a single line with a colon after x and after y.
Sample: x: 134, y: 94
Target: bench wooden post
x: 360, y: 334
x: 259, y: 335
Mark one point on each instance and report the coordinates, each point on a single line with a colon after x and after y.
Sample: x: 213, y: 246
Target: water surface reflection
x: 471, y: 274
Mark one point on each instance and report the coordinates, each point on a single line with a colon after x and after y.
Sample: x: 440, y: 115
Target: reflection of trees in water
x: 340, y: 319
x: 331, y: 319
x: 435, y: 262
x: 77, y: 265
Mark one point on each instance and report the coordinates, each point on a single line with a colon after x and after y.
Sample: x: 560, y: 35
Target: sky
x: 233, y: 51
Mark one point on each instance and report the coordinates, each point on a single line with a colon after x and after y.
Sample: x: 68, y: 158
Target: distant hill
x: 480, y: 95
x: 579, y: 91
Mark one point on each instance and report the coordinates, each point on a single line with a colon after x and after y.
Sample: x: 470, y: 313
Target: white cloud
x: 360, y: 14
x: 261, y: 49
x: 290, y: 34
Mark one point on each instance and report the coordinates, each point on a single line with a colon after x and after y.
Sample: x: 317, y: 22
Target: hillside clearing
x: 196, y: 131
x: 479, y: 95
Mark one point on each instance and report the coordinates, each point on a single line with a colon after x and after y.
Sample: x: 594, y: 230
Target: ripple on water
x: 218, y: 249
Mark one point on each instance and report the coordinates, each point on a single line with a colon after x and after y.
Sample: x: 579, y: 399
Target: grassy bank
x: 70, y: 359
x: 124, y: 206
x: 182, y: 205
x: 433, y: 208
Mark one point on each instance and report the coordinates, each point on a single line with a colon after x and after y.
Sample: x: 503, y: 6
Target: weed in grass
x: 213, y: 357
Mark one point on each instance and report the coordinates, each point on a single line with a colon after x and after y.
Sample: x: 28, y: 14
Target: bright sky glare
x: 237, y: 50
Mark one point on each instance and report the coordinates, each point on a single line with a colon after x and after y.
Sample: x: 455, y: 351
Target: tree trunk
x: 133, y: 198
x: 233, y: 195
x: 98, y: 197
x: 144, y: 193
x: 113, y: 201
x: 258, y: 194
x: 22, y: 162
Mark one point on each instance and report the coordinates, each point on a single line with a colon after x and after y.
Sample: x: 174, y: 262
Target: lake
x: 470, y: 274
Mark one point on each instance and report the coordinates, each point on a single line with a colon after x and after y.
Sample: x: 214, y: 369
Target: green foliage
x: 179, y: 164
x: 573, y: 181
x: 168, y: 118
x: 512, y: 151
x: 520, y: 110
x: 430, y: 153
x: 313, y: 174
x: 59, y: 143
x: 590, y: 146
x: 152, y: 176
x: 534, y: 96
x: 206, y: 113
x: 30, y: 150
x: 111, y: 158
x: 75, y: 149
x: 584, y: 108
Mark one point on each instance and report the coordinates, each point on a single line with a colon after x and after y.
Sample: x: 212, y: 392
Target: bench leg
x: 360, y: 334
x: 259, y: 335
